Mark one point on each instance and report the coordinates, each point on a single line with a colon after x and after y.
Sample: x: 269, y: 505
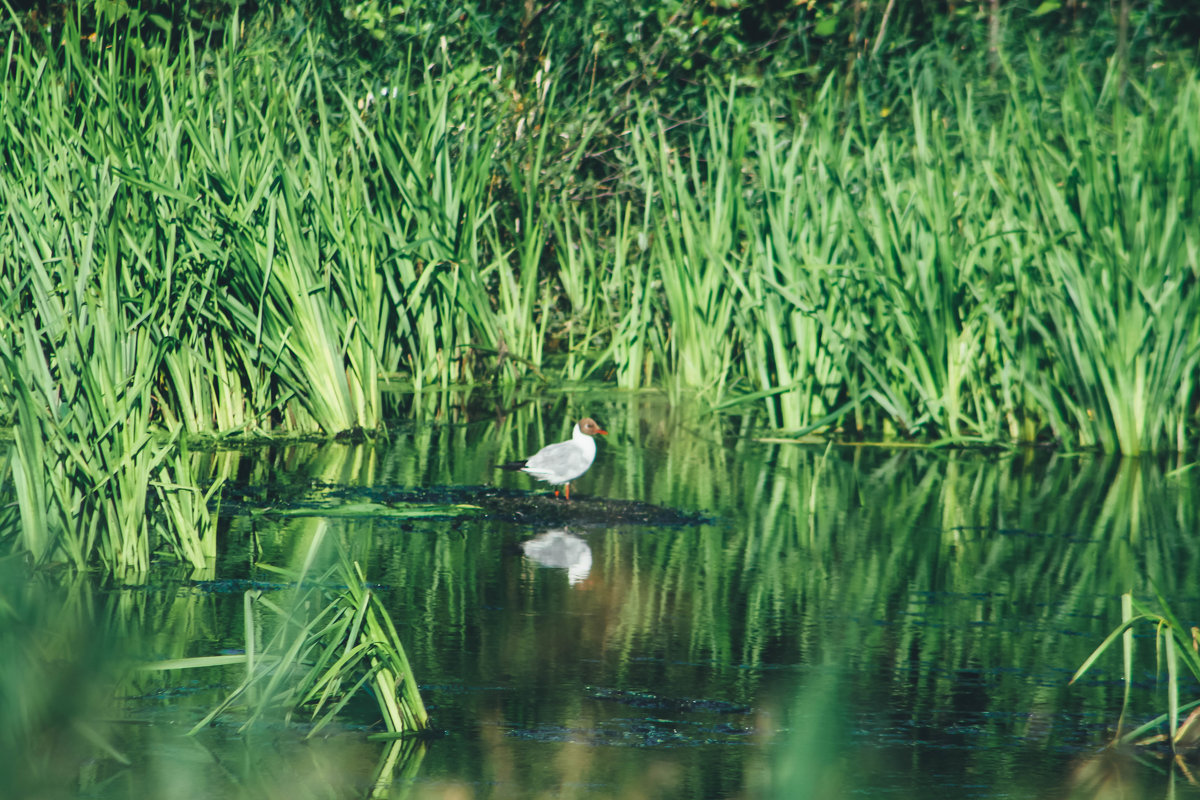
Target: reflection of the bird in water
x: 563, y: 550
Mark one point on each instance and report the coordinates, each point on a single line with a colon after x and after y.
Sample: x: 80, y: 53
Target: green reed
x: 987, y: 279
x: 327, y: 638
x: 1175, y: 651
x: 693, y: 189
x: 796, y: 314
x: 82, y: 372
x: 1117, y: 315
x: 431, y: 200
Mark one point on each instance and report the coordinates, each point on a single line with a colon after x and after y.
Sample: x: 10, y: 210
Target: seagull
x: 562, y: 462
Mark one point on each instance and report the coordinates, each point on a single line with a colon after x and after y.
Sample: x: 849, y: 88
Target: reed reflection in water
x: 861, y: 619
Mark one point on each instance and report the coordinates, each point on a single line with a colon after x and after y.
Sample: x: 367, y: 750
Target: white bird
x: 562, y: 462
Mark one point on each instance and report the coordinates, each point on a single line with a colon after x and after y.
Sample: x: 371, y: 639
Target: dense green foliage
x: 225, y: 224
x: 264, y: 226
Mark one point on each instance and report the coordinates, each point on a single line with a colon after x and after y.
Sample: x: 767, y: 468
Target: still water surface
x: 801, y: 621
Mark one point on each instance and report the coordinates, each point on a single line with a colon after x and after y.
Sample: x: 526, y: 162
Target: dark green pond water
x: 711, y: 616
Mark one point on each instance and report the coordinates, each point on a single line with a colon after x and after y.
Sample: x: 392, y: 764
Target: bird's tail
x: 512, y: 465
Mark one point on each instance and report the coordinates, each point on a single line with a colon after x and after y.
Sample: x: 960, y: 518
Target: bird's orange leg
x: 568, y: 490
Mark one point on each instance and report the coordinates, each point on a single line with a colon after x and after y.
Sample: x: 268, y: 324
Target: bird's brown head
x: 589, y: 426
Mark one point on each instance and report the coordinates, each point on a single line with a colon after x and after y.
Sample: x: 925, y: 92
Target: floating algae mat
x: 487, y: 502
